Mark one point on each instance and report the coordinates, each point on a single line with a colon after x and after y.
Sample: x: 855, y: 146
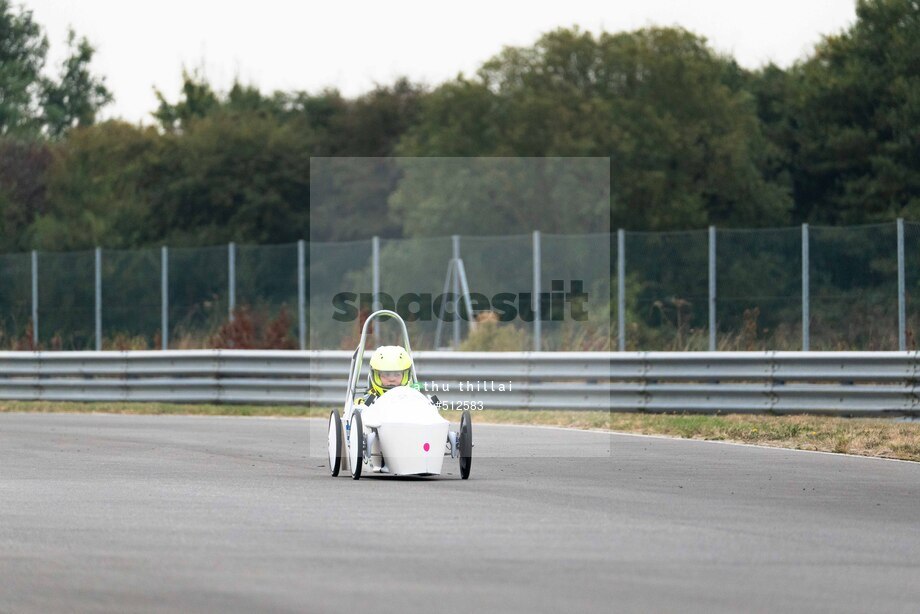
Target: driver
x: 390, y: 366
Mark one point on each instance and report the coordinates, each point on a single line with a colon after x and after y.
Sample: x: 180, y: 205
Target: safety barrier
x: 848, y: 383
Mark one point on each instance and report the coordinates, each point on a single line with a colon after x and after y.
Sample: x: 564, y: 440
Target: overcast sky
x: 352, y: 44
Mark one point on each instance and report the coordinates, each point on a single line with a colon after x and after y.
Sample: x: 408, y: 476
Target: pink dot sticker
x: 426, y: 447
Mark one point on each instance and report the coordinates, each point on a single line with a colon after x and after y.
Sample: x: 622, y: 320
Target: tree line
x: 693, y: 139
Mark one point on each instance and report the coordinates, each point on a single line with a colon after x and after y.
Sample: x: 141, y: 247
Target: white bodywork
x: 399, y: 425
x: 401, y: 433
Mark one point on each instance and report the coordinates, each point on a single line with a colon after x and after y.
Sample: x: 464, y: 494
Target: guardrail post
x: 98, y: 299
x: 537, y: 325
x: 902, y: 291
x: 712, y: 288
x: 164, y: 297
x: 35, y: 298
x: 806, y: 316
x: 375, y: 280
x: 621, y: 290
x: 231, y: 278
x: 302, y: 294
x: 455, y: 241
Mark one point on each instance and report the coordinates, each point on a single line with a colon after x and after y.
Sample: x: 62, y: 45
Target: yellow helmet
x: 388, y: 358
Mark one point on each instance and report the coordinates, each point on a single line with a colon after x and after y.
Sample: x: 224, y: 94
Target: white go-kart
x: 401, y: 433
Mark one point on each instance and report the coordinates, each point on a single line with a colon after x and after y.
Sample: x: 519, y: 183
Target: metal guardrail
x: 705, y: 382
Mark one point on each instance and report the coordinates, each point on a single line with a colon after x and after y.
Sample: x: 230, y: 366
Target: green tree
x: 681, y: 130
x: 774, y: 91
x: 32, y: 104
x: 231, y: 176
x: 197, y: 101
x: 297, y: 125
x: 23, y: 48
x: 350, y: 198
x: 76, y: 98
x: 100, y: 185
x: 856, y: 112
x: 24, y: 191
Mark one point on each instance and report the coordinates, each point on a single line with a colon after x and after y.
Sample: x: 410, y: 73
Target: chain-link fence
x: 666, y: 290
x: 821, y: 288
x: 759, y: 289
x: 15, y: 301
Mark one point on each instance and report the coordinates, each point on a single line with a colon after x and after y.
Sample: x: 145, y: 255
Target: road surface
x: 115, y: 513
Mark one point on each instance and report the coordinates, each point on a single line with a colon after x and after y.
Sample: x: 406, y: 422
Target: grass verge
x: 61, y: 407
x: 862, y: 436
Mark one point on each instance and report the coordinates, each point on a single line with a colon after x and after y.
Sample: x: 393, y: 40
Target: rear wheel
x: 335, y: 443
x: 465, y: 443
x: 356, y: 446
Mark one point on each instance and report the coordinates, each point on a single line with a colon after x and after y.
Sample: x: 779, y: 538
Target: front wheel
x: 335, y: 443
x: 356, y: 446
x: 465, y: 444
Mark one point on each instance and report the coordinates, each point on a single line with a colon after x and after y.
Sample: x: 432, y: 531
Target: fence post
x: 35, y: 298
x: 712, y: 288
x: 455, y: 240
x: 301, y: 294
x: 375, y: 280
x: 621, y: 290
x: 231, y: 278
x: 98, y: 299
x: 902, y: 292
x: 164, y: 297
x: 806, y: 316
x: 537, y: 308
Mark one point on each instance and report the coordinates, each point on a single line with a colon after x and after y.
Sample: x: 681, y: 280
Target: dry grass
x: 298, y: 411
x: 862, y: 436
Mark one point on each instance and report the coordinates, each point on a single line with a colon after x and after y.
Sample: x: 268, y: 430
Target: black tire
x: 356, y: 458
x: 465, y: 443
x: 343, y: 463
x: 335, y: 455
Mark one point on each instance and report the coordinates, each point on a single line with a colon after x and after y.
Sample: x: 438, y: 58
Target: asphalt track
x: 178, y: 514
